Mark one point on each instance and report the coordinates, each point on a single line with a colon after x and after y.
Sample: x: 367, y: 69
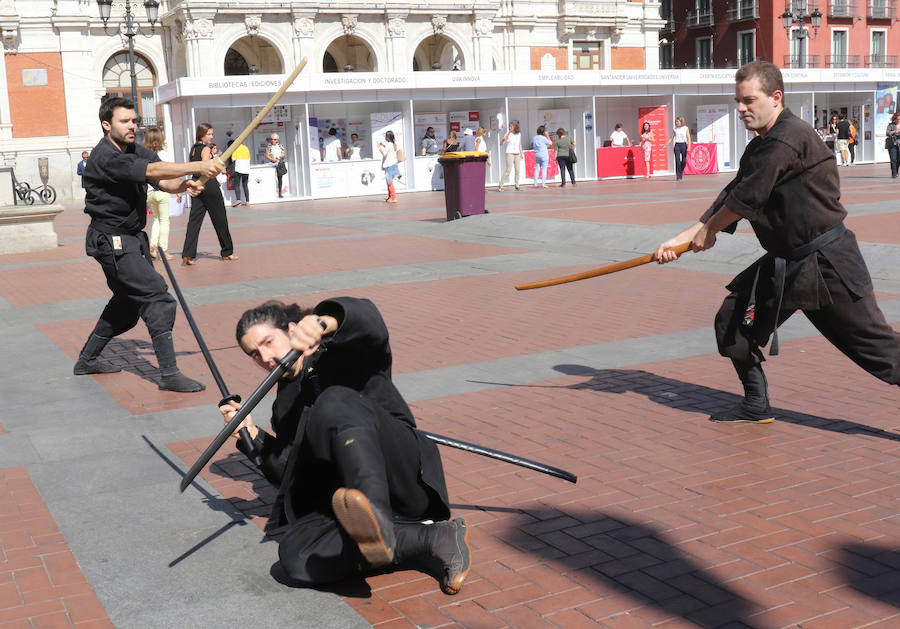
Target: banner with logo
x: 659, y: 154
x: 701, y: 159
x: 712, y: 126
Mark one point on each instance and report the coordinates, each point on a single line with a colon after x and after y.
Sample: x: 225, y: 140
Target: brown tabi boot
x: 89, y: 361
x: 754, y: 408
x: 443, y: 546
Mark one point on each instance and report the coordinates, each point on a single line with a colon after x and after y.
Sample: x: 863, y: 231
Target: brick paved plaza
x: 674, y: 521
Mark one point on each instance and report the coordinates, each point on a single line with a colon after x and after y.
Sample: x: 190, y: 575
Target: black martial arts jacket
x: 788, y: 188
x: 358, y: 356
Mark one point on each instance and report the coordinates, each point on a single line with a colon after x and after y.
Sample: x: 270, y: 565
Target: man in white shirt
x: 618, y: 137
x: 331, y: 148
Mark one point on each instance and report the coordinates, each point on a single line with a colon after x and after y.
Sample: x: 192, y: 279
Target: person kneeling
x: 359, y: 487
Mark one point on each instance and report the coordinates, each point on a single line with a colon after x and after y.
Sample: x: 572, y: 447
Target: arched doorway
x: 117, y: 81
x: 252, y: 55
x: 438, y: 52
x: 348, y: 53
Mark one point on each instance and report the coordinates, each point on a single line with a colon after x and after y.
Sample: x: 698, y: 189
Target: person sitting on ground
x: 359, y: 487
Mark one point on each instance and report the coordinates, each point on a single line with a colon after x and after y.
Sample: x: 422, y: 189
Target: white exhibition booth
x: 587, y: 104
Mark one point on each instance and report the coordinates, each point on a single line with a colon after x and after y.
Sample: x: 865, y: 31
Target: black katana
x: 227, y: 397
x: 285, y: 365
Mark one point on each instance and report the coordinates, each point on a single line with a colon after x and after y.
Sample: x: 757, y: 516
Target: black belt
x: 780, y: 272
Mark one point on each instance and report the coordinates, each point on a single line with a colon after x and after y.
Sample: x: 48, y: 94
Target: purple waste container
x: 464, y: 183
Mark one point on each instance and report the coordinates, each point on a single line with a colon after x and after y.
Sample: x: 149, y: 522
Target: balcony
x: 842, y: 61
x: 743, y: 10
x: 669, y: 26
x: 881, y: 9
x: 841, y: 8
x: 881, y: 61
x: 801, y: 61
x: 697, y: 18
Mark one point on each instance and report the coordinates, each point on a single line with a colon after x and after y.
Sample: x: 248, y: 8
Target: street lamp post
x: 129, y: 28
x: 792, y: 17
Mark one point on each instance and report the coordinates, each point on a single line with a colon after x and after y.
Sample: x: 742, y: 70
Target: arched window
x: 252, y: 55
x: 437, y: 52
x: 348, y: 53
x: 117, y: 81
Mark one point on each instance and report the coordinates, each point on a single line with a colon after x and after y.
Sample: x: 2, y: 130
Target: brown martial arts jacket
x: 358, y: 356
x: 788, y: 188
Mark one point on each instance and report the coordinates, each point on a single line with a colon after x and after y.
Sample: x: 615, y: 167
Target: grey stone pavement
x: 157, y: 558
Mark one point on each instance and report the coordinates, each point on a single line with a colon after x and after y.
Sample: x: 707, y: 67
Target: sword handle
x: 250, y: 447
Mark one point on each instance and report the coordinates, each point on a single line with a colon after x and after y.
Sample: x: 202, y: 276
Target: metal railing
x: 742, y: 10
x: 881, y: 9
x: 841, y: 8
x: 842, y: 61
x: 699, y: 17
x: 801, y: 61
x: 881, y: 61
x: 669, y: 26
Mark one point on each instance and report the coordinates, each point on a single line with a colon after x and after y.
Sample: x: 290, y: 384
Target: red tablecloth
x: 702, y: 159
x: 552, y: 167
x: 620, y: 161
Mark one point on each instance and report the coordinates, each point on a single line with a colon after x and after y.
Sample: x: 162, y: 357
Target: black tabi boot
x: 89, y: 359
x: 754, y: 408
x: 363, y: 505
x: 446, y: 543
x: 172, y: 378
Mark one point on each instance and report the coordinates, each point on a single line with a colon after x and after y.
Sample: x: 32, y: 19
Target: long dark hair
x: 202, y: 128
x: 275, y: 313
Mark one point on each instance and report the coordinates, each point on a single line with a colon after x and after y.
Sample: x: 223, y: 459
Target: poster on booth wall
x: 381, y: 124
x: 462, y: 120
x: 437, y: 120
x: 554, y: 119
x: 659, y: 154
x: 712, y: 128
x: 885, y: 106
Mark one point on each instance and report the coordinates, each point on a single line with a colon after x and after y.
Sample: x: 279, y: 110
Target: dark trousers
x: 139, y: 292
x: 894, y: 154
x: 241, y: 181
x: 852, y: 149
x: 210, y: 200
x: 564, y: 165
x: 856, y: 326
x: 314, y: 548
x: 680, y: 159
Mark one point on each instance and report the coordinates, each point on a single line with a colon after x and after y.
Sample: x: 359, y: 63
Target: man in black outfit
x: 359, y: 487
x: 116, y: 179
x: 788, y: 187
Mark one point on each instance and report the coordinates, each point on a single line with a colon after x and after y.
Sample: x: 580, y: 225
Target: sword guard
x: 229, y: 398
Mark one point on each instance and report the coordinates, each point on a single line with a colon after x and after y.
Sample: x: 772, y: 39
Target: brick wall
x: 37, y: 111
x: 537, y: 52
x: 627, y: 58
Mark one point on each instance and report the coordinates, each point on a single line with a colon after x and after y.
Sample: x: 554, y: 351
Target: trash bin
x: 464, y: 174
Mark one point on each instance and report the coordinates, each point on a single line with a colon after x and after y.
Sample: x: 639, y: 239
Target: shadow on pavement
x: 873, y: 570
x: 688, y: 396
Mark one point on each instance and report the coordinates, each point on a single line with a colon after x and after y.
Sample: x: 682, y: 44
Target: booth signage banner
x: 315, y: 152
x: 701, y: 159
x: 552, y: 165
x: 462, y: 120
x: 553, y: 119
x: 712, y: 126
x: 326, y: 125
x: 885, y: 106
x: 657, y: 117
x: 381, y: 124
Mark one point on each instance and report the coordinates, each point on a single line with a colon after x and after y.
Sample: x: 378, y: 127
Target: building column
x: 197, y: 33
x: 483, y: 30
x: 9, y: 28
x: 395, y: 42
x: 304, y: 27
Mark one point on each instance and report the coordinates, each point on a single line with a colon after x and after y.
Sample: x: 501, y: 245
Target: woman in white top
x: 388, y: 150
x: 682, y: 144
x: 513, y: 142
x: 276, y: 154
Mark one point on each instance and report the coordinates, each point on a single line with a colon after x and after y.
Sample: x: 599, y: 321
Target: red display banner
x: 656, y: 116
x: 552, y: 167
x: 702, y: 159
